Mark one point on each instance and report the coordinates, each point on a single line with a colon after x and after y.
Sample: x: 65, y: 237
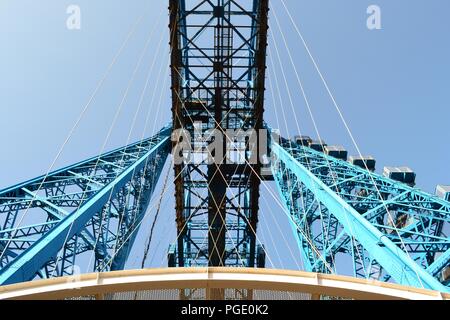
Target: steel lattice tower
x: 341, y: 212
x: 218, y: 74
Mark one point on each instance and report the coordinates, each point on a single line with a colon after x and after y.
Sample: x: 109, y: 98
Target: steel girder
x: 88, y: 212
x: 218, y: 60
x: 340, y: 212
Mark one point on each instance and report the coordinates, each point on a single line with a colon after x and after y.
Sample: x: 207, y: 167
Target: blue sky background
x: 391, y: 84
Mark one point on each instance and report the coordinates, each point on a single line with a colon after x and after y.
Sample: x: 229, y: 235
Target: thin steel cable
x: 217, y: 170
x: 141, y: 99
x: 215, y: 203
x: 271, y: 193
x: 274, y: 218
x: 77, y: 122
x: 314, y: 124
x: 338, y: 109
x: 113, y: 123
x: 308, y: 238
x: 115, y: 249
x: 147, y: 117
x: 158, y: 208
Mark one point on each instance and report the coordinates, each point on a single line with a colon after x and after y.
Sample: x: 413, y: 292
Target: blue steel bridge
x: 341, y: 211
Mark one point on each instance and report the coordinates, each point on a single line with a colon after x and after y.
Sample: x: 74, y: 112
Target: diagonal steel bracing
x: 218, y: 52
x: 340, y: 212
x: 86, y: 211
x: 346, y: 220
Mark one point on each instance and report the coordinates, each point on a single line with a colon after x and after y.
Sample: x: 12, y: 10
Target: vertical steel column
x: 218, y: 79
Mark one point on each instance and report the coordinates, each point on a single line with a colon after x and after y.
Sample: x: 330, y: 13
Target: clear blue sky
x: 392, y: 85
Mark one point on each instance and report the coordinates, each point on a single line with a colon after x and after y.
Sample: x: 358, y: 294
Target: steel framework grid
x: 88, y: 211
x: 218, y: 59
x: 341, y: 212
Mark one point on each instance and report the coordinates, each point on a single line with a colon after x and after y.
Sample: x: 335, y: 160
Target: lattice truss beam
x: 345, y: 215
x: 83, y: 215
x: 218, y: 52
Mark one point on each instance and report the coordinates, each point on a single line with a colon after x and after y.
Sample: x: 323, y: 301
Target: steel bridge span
x: 340, y: 210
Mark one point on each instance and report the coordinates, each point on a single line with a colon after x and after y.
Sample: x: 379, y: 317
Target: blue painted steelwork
x: 218, y: 52
x: 343, y: 214
x: 87, y: 210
